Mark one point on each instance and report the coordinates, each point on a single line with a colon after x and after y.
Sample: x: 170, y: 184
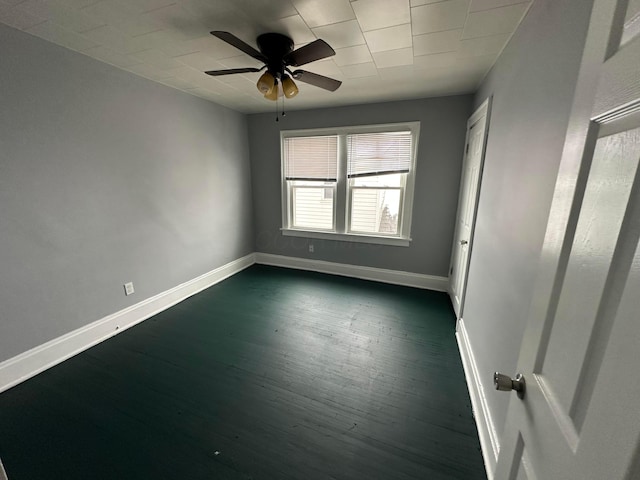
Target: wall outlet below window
x: 128, y: 288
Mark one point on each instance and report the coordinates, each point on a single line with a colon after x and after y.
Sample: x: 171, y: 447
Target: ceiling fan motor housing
x: 275, y: 47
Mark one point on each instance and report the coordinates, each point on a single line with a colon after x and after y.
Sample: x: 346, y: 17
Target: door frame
x: 484, y: 110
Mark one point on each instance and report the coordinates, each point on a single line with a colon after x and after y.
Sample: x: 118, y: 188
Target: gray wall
x: 105, y: 178
x: 440, y: 152
x: 532, y: 86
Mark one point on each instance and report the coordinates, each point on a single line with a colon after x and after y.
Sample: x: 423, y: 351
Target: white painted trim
x: 486, y: 429
x: 347, y: 237
x: 395, y: 277
x: 3, y: 474
x: 42, y: 357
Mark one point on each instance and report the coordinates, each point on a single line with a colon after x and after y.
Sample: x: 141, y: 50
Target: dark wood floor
x: 271, y: 374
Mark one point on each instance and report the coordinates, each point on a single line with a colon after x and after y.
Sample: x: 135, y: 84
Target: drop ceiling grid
x: 426, y: 47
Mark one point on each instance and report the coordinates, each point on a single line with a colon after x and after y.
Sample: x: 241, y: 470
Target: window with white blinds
x: 311, y: 158
x: 379, y: 153
x: 352, y: 182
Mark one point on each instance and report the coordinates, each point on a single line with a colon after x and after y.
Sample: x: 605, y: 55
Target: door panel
x: 467, y: 203
x: 579, y: 418
x: 607, y: 194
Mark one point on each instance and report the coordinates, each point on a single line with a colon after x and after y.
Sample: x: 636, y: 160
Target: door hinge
x: 451, y: 271
x: 467, y: 148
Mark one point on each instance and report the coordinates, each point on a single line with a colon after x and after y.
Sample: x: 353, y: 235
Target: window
x: 351, y: 183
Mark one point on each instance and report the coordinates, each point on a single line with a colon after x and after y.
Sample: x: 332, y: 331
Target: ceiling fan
x: 277, y: 54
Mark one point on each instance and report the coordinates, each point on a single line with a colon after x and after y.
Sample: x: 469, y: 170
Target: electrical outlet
x: 311, y: 247
x: 128, y: 288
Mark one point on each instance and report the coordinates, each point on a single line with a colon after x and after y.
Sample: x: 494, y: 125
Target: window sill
x: 348, y: 237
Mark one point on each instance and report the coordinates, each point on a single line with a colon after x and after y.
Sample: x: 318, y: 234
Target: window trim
x: 343, y: 191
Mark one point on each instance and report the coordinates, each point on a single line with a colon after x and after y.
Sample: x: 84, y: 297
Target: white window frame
x: 342, y: 191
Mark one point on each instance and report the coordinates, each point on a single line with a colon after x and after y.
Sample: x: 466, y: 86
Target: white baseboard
x: 486, y: 429
x: 42, y: 357
x: 395, y: 277
x: 28, y: 364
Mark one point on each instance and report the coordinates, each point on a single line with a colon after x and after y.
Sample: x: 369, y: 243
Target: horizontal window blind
x: 378, y: 153
x: 311, y: 158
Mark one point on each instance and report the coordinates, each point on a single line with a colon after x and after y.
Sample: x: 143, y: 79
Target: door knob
x: 504, y: 383
x: 463, y: 242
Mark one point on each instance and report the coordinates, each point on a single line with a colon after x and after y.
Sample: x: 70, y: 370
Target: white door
x: 467, y: 203
x: 580, y: 416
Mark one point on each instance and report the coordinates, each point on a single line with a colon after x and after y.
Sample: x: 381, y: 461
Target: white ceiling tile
x: 148, y: 71
x: 56, y: 34
x: 483, y: 45
x: 295, y: 27
x: 10, y: 3
x: 436, y: 60
x: 122, y: 17
x: 217, y: 49
x: 163, y: 39
x: 18, y: 19
x: 326, y: 67
x: 393, y: 58
x: 143, y: 6
x: 360, y: 70
x: 437, y: 17
x: 212, y: 46
x: 240, y: 61
x: 205, y: 93
x: 200, y: 61
x: 112, y: 57
x: 376, y: 14
x: 417, y: 3
x: 324, y: 12
x: 478, y: 5
x: 157, y: 59
x: 174, y: 16
x: 206, y: 9
x: 398, y: 72
x: 196, y: 77
x: 439, y: 42
x: 74, y: 4
x: 341, y: 35
x: 265, y: 10
x: 177, y: 83
x: 495, y: 21
x: 227, y: 85
x: 175, y: 47
x: 67, y: 18
x: 352, y: 55
x: 116, y: 40
x: 391, y: 38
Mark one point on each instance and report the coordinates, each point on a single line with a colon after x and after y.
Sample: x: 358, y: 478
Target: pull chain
x: 276, y: 86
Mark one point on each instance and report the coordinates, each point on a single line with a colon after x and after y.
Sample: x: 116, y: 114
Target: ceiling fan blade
x: 239, y: 44
x: 317, y: 80
x: 316, y: 50
x: 231, y: 71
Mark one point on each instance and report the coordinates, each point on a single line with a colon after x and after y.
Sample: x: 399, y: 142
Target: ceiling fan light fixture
x: 266, y: 83
x: 289, y: 87
x: 273, y: 93
x: 276, y: 53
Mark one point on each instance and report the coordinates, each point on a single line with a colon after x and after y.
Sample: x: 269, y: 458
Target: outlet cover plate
x: 128, y: 288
